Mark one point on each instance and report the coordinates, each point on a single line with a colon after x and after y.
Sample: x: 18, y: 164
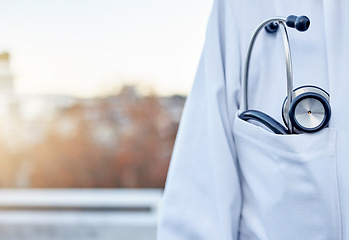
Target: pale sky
x: 90, y: 47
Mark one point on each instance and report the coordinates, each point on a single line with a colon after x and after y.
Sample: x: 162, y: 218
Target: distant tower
x: 6, y: 78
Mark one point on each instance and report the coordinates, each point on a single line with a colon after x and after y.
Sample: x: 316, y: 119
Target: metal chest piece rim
x: 309, y: 111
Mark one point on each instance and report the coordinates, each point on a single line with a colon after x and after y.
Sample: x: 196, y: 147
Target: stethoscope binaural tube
x: 244, y: 102
x: 289, y: 72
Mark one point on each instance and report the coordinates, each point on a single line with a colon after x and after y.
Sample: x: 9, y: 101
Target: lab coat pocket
x: 289, y: 184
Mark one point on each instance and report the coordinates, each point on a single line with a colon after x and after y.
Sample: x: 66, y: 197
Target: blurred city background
x: 91, y: 95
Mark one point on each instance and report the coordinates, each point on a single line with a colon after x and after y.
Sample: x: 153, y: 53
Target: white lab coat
x: 230, y: 179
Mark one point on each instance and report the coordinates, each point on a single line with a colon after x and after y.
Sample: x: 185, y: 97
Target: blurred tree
x: 72, y: 156
x: 73, y: 161
x: 144, y: 153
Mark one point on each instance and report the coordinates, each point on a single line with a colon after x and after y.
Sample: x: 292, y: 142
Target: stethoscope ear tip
x: 301, y: 23
x: 272, y: 27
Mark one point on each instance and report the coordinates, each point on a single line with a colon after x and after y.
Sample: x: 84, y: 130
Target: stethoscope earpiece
x: 305, y: 109
x: 301, y: 23
x: 272, y: 27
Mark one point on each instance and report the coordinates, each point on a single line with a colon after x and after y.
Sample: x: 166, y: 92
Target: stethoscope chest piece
x: 309, y: 110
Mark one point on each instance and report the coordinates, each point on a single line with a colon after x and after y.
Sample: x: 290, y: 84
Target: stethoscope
x: 306, y: 108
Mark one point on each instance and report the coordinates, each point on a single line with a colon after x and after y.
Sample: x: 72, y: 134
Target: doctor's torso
x: 230, y: 179
x: 294, y: 186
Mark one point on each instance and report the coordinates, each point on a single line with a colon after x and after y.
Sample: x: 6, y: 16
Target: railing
x: 79, y: 213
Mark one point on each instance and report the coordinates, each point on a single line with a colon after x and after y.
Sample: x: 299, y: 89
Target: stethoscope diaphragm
x: 309, y: 111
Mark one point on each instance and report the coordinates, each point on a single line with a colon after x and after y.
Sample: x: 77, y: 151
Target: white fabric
x: 230, y: 179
